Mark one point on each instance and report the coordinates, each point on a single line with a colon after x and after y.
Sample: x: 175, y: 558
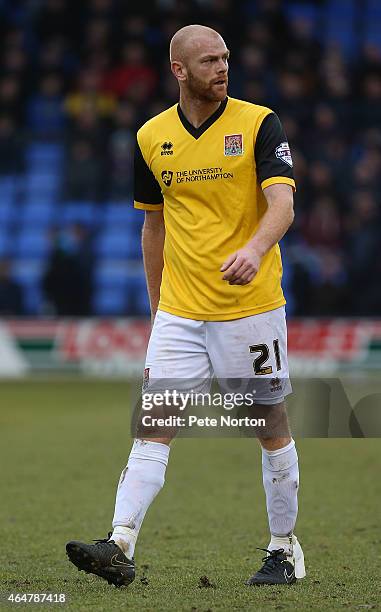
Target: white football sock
x: 140, y: 482
x: 285, y: 542
x: 281, y: 482
x: 293, y: 550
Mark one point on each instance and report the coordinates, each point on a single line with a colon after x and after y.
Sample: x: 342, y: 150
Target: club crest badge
x: 283, y: 152
x: 233, y: 145
x: 145, y: 379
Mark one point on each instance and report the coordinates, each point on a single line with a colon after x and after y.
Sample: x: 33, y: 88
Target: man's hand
x: 241, y: 267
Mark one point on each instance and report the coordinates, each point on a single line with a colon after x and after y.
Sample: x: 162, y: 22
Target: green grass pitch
x: 62, y: 447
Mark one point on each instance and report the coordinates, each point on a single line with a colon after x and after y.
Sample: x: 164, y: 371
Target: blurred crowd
x: 90, y: 73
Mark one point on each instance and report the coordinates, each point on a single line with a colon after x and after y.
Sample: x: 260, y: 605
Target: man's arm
x: 148, y: 197
x: 274, y: 172
x: 241, y: 267
x: 153, y: 236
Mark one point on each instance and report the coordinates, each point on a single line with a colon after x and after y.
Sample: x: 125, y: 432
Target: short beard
x: 199, y: 90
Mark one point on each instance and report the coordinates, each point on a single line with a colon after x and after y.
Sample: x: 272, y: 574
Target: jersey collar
x: 197, y: 132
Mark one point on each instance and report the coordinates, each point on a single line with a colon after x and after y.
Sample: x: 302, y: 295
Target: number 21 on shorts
x: 260, y: 369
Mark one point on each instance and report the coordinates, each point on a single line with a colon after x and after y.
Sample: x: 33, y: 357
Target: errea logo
x: 167, y: 148
x: 275, y: 384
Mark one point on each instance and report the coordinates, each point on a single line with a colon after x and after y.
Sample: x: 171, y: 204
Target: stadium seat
x: 37, y: 183
x: 45, y: 118
x: 41, y: 153
x: 118, y: 243
x: 8, y: 211
x: 122, y: 213
x: 305, y: 11
x: 41, y: 179
x: 340, y: 27
x: 110, y: 301
x: 287, y: 284
x: 28, y: 273
x: 137, y: 218
x: 41, y: 165
x: 4, y: 244
x: 138, y: 302
x: 79, y: 212
x: 113, y: 278
x: 142, y: 303
x: 31, y: 242
x: 372, y: 29
x: 9, y: 187
x: 33, y: 299
x: 40, y: 213
x: 111, y: 274
x: 372, y: 10
x: 340, y: 9
x: 372, y: 33
x: 343, y: 35
x: 134, y: 247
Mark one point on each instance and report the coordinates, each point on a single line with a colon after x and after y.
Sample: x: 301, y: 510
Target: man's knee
x: 156, y: 425
x: 275, y: 433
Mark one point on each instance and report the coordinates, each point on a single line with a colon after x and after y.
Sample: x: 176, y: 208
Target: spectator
x: 57, y: 18
x: 55, y: 56
x: 14, y: 62
x: 363, y: 254
x: 68, y: 279
x: 367, y: 171
x: 122, y: 143
x: 89, y: 126
x: 101, y: 9
x: 320, y: 180
x: 11, y: 147
x: 323, y: 226
x: 292, y: 95
x: 370, y: 109
x: 251, y: 73
x: 11, y: 296
x: 11, y: 102
x: 330, y: 290
x: 83, y: 180
x: 336, y: 86
x: 88, y: 96
x: 46, y: 118
x: 97, y: 36
x: 133, y: 72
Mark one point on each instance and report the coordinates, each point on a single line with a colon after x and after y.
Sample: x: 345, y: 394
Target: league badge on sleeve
x: 233, y: 145
x: 283, y: 152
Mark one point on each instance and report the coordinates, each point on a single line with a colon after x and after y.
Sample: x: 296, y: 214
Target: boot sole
x: 84, y: 562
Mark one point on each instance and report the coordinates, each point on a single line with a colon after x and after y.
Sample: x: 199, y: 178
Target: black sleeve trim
x: 146, y: 188
x: 271, y: 152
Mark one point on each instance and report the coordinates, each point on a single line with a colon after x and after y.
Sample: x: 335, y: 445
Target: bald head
x: 192, y: 39
x: 199, y: 61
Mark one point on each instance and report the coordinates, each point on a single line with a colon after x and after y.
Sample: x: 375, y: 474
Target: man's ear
x: 179, y: 70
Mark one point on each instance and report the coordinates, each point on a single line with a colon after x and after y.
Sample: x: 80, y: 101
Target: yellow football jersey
x: 209, y: 181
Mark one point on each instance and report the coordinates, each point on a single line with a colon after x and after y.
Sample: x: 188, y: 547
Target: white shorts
x: 249, y: 350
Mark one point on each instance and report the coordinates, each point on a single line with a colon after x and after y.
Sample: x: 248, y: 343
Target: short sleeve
x: 272, y: 154
x: 147, y: 192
